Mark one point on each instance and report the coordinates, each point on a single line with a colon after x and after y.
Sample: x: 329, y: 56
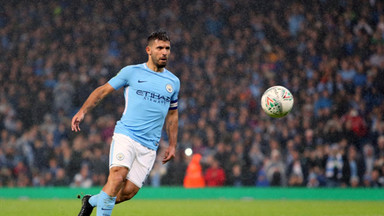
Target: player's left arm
x: 171, y: 127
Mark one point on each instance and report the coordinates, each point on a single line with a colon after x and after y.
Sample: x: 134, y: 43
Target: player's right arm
x: 94, y: 98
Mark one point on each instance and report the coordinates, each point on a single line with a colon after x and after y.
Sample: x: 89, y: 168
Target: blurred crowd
x: 328, y: 53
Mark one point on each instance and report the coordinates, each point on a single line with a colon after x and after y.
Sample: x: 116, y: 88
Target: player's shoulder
x: 130, y: 68
x: 172, y: 76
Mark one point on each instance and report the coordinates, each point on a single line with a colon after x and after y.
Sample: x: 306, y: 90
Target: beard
x: 158, y: 63
x: 161, y: 65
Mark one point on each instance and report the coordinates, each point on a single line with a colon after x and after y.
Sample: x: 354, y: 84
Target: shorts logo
x: 169, y: 88
x: 120, y: 156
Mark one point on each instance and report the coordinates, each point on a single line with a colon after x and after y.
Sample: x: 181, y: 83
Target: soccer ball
x: 277, y: 101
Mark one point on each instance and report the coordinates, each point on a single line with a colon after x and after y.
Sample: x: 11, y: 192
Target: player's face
x: 159, y: 52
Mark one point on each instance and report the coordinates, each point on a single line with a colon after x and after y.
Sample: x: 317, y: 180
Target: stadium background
x: 329, y: 53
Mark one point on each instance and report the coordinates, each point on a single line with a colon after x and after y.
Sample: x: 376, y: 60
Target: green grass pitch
x: 201, y: 207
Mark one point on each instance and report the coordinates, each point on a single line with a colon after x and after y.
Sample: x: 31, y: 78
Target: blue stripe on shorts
x: 111, y: 152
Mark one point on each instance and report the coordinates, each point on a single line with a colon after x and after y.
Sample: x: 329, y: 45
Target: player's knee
x: 117, y: 175
x: 116, y: 179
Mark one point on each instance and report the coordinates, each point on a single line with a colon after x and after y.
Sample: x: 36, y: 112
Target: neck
x: 153, y: 67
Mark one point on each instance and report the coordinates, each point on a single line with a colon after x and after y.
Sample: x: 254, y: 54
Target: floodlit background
x: 328, y: 53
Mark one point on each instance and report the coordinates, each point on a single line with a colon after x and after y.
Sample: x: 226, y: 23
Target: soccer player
x: 151, y: 94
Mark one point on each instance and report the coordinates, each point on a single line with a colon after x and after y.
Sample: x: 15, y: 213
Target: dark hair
x: 160, y: 35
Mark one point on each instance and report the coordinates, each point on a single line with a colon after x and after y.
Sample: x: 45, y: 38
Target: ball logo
x: 169, y: 88
x: 287, y: 95
x: 269, y: 101
x: 120, y: 156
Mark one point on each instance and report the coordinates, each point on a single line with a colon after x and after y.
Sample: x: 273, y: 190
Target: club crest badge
x: 120, y: 156
x: 169, y: 88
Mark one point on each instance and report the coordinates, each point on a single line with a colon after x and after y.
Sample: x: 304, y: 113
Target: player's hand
x: 169, y: 154
x: 76, y: 121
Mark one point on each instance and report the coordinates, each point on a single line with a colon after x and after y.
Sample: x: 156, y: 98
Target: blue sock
x: 93, y: 200
x: 105, y: 204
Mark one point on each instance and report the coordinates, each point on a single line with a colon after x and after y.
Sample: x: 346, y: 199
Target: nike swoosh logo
x: 141, y: 81
x: 104, y: 209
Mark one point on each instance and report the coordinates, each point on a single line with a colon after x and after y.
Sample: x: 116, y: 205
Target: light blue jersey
x: 148, y: 97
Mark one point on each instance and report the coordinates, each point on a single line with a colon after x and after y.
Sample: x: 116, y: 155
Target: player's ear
x: 148, y: 50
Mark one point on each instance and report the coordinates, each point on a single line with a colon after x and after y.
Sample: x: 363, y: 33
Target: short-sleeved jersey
x: 148, y: 97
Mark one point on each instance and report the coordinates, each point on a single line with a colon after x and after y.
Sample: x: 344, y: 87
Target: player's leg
x: 107, y: 189
x: 127, y: 192
x: 107, y: 197
x: 138, y: 173
x: 116, y: 180
x: 121, y: 158
x: 105, y: 200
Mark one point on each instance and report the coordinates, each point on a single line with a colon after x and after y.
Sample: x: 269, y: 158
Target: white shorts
x: 125, y: 152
